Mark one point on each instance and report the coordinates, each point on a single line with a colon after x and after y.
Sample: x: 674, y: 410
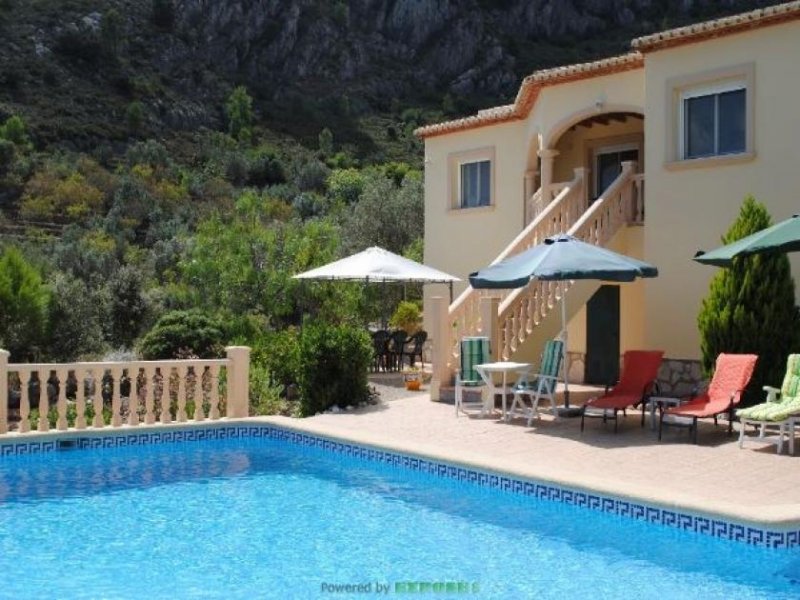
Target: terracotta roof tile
x: 694, y: 33
x: 533, y: 84
x: 529, y: 92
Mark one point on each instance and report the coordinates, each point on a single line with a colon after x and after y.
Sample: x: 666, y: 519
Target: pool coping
x: 780, y: 516
x: 606, y: 495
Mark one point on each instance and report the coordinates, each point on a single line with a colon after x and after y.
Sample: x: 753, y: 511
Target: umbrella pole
x: 565, y: 363
x: 451, y: 292
x: 383, y: 303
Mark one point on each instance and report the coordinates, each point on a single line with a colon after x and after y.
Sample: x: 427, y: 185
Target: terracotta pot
x: 413, y: 385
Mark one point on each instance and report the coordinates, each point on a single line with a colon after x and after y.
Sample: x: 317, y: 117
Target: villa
x: 650, y: 153
x: 152, y: 478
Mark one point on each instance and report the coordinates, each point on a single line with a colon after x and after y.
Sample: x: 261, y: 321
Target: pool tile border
x: 706, y: 525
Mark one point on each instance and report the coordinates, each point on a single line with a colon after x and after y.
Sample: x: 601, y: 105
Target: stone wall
x: 680, y: 377
x: 577, y: 367
x: 675, y: 377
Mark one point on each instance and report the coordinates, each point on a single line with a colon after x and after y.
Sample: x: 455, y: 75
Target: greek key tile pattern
x: 624, y: 508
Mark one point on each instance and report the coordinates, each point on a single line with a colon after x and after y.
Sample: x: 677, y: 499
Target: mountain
x: 72, y: 68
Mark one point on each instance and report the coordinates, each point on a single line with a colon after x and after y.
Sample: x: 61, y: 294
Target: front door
x: 602, y: 336
x: 608, y: 165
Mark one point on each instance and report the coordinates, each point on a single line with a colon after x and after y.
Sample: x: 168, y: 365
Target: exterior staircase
x: 517, y: 322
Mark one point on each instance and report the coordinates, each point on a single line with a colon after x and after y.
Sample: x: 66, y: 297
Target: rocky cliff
x: 73, y: 67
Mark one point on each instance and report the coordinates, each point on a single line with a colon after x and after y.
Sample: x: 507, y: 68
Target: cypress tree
x: 751, y: 308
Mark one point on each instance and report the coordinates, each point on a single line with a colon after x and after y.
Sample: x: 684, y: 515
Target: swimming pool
x: 255, y: 517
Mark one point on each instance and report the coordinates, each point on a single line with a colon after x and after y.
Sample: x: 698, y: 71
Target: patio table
x: 486, y: 370
x: 662, y: 402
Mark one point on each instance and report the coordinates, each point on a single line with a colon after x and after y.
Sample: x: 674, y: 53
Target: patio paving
x: 751, y: 484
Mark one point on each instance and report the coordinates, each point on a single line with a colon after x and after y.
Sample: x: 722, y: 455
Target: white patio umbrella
x: 376, y: 265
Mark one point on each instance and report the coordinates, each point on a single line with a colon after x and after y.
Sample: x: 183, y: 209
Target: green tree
x: 127, y: 306
x: 244, y: 264
x: 325, y: 139
x: 180, y: 332
x: 751, y: 307
x: 111, y: 31
x: 239, y: 110
x: 346, y: 185
x: 14, y: 130
x: 134, y: 117
x: 386, y: 215
x: 23, y: 306
x: 73, y: 320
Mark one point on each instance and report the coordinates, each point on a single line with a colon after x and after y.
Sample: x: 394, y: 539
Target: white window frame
x: 702, y: 83
x: 460, y: 192
x: 454, y: 161
x: 700, y: 92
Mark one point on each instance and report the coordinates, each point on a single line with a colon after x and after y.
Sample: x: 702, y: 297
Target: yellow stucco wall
x: 690, y: 208
x: 459, y: 241
x: 575, y: 148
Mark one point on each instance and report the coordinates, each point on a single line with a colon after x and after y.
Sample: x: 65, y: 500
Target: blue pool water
x: 263, y: 518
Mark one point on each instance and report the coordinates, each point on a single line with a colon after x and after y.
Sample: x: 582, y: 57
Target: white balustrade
x: 523, y: 309
x: 557, y: 216
x: 74, y: 388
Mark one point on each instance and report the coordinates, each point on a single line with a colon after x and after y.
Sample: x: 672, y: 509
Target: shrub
x: 325, y: 139
x: 111, y: 27
x: 309, y: 205
x: 751, y: 308
x: 265, y: 168
x: 236, y: 168
x: 265, y: 394
x: 72, y: 415
x: 346, y: 185
x: 333, y: 367
x: 134, y: 117
x: 7, y: 151
x: 14, y: 131
x: 150, y: 153
x: 239, y: 110
x: 73, y: 322
x: 179, y: 332
x: 23, y: 306
x: 279, y: 353
x: 127, y: 305
x: 312, y: 177
x: 407, y: 316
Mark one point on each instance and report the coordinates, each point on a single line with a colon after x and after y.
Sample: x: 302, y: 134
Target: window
x: 713, y: 121
x: 475, y: 184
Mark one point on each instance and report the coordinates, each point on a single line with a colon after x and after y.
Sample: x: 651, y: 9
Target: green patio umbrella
x: 561, y: 258
x: 782, y: 237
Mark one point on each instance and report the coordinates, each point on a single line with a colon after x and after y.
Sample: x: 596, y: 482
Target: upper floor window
x: 713, y: 121
x: 475, y: 184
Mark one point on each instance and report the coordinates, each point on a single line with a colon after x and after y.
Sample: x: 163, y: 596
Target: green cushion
x: 791, y: 381
x: 789, y: 402
x: 551, y: 358
x: 474, y: 351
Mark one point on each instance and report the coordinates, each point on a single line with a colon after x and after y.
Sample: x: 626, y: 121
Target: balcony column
x: 548, y: 156
x: 529, y: 189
